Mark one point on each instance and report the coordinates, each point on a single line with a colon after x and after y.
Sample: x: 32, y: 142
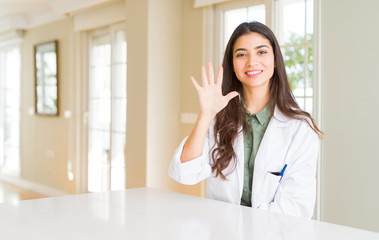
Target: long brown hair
x: 233, y: 116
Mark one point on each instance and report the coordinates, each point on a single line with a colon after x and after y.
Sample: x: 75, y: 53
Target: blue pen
x: 282, y: 172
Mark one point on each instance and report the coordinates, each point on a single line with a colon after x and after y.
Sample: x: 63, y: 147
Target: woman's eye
x: 241, y: 55
x: 262, y: 52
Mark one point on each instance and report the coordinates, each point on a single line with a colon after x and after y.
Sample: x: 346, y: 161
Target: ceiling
x: 12, y: 7
x: 24, y: 14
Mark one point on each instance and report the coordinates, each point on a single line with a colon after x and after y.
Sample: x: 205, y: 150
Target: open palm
x: 210, y: 94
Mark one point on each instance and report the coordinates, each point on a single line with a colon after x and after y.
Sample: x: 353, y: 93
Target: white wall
x: 350, y: 115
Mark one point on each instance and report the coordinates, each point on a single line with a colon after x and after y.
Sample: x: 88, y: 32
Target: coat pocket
x: 270, y: 186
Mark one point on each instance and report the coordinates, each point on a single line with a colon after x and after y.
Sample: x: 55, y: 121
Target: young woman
x: 258, y: 149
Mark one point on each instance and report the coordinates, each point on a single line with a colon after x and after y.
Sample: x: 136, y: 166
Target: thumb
x: 231, y: 95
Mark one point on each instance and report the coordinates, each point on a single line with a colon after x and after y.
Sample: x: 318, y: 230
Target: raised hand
x: 211, y: 102
x: 210, y: 94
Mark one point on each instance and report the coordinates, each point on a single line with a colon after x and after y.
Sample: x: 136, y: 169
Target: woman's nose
x: 251, y: 62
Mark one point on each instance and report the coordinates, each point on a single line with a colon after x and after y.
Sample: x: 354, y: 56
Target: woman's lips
x: 253, y: 73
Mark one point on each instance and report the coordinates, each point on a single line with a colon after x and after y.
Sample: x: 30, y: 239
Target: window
x: 10, y: 67
x: 107, y: 109
x: 294, y: 30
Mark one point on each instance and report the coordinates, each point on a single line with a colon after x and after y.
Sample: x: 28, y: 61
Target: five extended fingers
x: 208, y: 79
x: 211, y: 89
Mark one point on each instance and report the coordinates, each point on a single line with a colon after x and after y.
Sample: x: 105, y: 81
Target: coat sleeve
x: 193, y: 171
x: 296, y: 193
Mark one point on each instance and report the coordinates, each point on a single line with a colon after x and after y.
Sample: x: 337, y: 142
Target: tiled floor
x: 13, y: 194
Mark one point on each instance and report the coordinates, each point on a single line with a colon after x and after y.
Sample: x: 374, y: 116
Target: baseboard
x: 35, y: 187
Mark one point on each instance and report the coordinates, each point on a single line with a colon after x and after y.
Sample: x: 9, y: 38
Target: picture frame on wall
x: 46, y: 78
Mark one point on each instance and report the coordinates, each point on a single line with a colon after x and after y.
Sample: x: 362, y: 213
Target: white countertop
x: 156, y: 214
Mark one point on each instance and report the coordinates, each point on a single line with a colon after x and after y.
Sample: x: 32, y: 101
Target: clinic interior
x: 122, y: 99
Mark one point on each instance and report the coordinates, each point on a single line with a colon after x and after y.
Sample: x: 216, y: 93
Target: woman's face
x: 253, y: 60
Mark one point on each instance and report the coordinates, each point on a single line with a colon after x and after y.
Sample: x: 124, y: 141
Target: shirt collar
x: 263, y: 116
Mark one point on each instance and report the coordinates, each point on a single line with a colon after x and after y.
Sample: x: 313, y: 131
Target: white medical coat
x: 286, y: 141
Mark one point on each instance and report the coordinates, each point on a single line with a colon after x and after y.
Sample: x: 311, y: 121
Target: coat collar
x: 279, y: 119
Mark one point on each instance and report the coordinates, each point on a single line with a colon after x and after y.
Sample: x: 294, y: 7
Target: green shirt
x: 256, y: 127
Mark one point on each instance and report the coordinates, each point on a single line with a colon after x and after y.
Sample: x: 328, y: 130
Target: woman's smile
x: 253, y: 73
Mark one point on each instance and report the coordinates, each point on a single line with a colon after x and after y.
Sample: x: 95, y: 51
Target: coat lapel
x: 240, y: 152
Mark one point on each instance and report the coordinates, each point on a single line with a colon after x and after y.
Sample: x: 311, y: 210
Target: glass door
x: 10, y: 66
x: 107, y: 110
